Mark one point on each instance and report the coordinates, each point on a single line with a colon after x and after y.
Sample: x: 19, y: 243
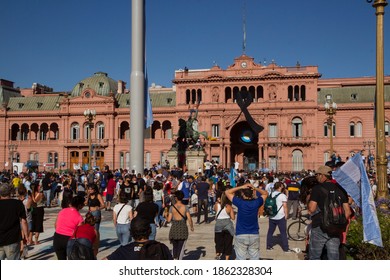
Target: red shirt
x: 86, y: 231
x: 111, y: 186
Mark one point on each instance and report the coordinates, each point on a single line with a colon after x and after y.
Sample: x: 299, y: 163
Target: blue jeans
x: 159, y: 217
x: 98, y: 217
x: 47, y: 194
x: 123, y: 233
x: 282, y: 225
x: 319, y: 240
x: 211, y: 204
x: 11, y: 251
x: 247, y: 246
x: 152, y: 235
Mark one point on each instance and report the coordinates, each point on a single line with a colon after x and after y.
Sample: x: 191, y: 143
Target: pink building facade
x: 287, y: 102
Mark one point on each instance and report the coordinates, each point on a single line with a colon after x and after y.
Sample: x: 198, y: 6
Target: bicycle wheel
x: 296, y: 231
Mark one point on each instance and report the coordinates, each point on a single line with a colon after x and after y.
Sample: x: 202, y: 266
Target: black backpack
x: 153, y: 250
x: 79, y: 251
x: 270, y: 207
x: 334, y: 221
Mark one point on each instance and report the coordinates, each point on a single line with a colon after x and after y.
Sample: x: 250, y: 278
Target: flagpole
x: 137, y: 89
x: 381, y: 158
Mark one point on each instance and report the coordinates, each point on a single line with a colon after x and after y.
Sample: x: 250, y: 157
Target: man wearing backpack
x: 279, y: 217
x: 142, y: 248
x: 321, y: 236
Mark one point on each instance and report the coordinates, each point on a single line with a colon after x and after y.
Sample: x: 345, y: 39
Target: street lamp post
x: 276, y: 146
x: 89, y: 117
x: 330, y: 111
x: 368, y: 144
x: 381, y: 159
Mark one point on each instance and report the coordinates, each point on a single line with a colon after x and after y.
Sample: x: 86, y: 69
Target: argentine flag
x: 353, y: 178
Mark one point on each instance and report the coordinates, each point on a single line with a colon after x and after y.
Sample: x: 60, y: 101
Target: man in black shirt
x: 127, y: 189
x: 141, y: 248
x: 13, y: 216
x: 319, y: 238
x: 202, y: 190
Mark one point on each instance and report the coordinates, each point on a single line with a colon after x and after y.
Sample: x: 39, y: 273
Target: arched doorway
x: 244, y: 146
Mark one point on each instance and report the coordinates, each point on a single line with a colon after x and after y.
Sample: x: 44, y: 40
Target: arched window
x: 228, y: 94
x: 33, y: 156
x: 188, y: 96
x: 124, y: 160
x: 325, y: 126
x: 253, y: 93
x: 25, y: 131
x: 352, y: 129
x: 199, y: 96
x: 260, y: 92
x: 52, y: 157
x: 44, y: 129
x: 327, y: 131
x: 100, y: 130
x: 296, y: 93
x: 156, y: 130
x: 290, y: 93
x: 15, y: 132
x: 359, y: 129
x: 334, y: 129
x: 235, y: 91
x: 35, y: 129
x: 297, y: 160
x: 75, y: 131
x: 86, y: 131
x: 54, y: 131
x: 193, y: 96
x: 297, y: 127
x: 124, y: 130
x: 167, y: 129
x: 303, y: 93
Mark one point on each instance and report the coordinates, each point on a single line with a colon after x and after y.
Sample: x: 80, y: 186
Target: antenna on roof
x: 244, y: 27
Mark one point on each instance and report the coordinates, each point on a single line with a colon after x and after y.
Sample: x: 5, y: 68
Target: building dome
x: 99, y: 82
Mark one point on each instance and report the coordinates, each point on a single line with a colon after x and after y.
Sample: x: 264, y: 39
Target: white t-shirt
x: 279, y: 202
x: 123, y: 217
x: 269, y: 187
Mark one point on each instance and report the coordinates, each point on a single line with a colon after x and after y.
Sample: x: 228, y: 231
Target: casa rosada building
x: 49, y: 128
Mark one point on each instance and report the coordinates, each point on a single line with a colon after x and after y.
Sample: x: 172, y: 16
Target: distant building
x: 287, y: 102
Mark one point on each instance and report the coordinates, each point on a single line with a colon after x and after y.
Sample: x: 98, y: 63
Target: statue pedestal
x: 194, y: 160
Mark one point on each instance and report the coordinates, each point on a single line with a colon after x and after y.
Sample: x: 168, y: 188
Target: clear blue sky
x: 58, y: 43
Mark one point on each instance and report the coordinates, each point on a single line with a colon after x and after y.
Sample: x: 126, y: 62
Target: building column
x: 229, y: 158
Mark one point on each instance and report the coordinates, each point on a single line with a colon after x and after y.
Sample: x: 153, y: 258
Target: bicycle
x: 297, y: 230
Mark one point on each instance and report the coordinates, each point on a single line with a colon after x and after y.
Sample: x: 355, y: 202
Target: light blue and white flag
x: 232, y: 177
x: 353, y: 178
x: 148, y: 104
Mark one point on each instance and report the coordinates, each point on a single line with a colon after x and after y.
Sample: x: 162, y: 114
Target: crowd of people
x: 162, y: 197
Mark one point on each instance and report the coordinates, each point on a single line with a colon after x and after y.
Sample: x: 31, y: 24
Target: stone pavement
x: 200, y: 244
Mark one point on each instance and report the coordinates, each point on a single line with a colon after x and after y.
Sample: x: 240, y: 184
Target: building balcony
x: 103, y: 143
x: 290, y: 141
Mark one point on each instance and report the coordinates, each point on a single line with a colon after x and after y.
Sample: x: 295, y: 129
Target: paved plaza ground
x: 200, y: 244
